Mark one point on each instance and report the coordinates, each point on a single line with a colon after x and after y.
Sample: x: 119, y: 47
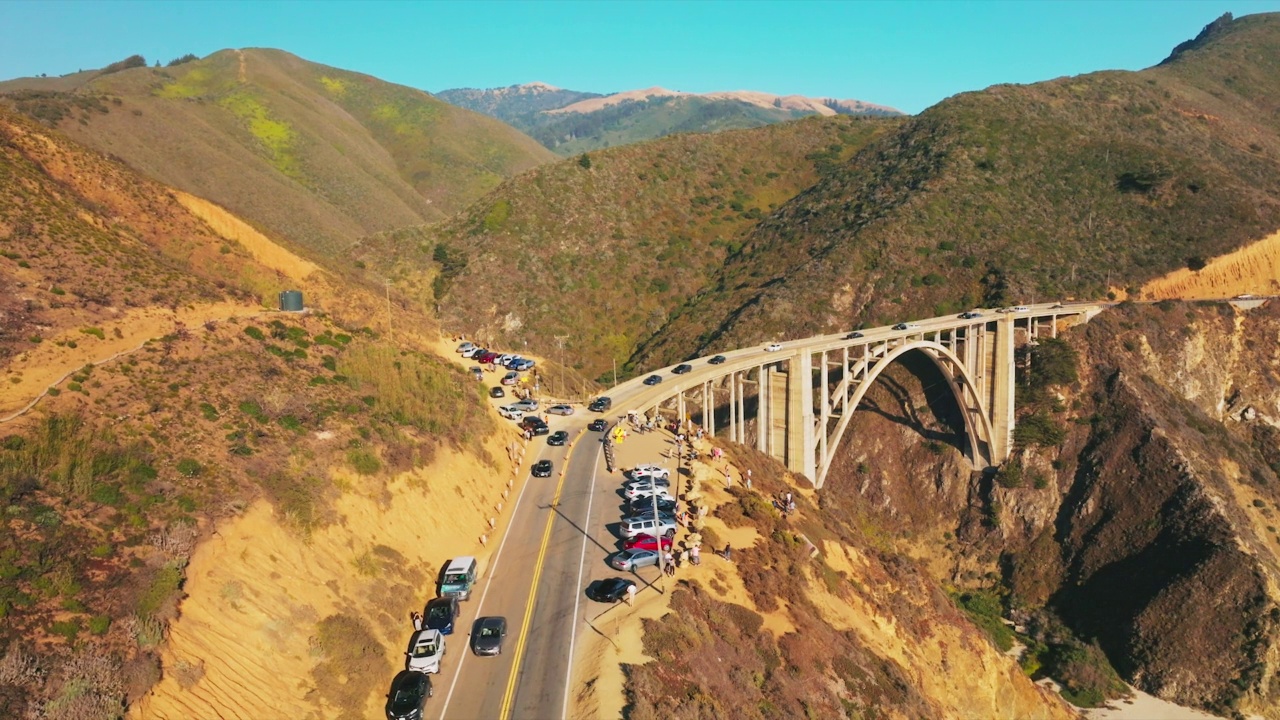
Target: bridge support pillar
x: 801, y: 447
x: 1002, y: 390
x: 763, y: 410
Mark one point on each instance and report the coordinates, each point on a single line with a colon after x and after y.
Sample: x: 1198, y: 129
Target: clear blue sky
x: 906, y: 54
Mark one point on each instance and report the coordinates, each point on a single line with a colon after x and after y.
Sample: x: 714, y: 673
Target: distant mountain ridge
x: 570, y: 122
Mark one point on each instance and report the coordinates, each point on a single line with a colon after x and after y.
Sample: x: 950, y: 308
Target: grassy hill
x: 1065, y: 188
x: 307, y: 152
x: 636, y: 116
x: 166, y: 398
x: 601, y: 249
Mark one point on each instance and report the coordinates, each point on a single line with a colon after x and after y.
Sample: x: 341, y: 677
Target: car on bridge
x: 426, y: 648
x: 632, y: 560
x: 560, y: 410
x: 558, y: 437
x: 853, y: 335
x: 646, y: 542
x: 681, y: 369
x: 773, y: 347
x: 408, y: 696
x: 542, y: 468
x: 511, y: 412
x: 440, y: 614
x: 598, y: 425
x: 611, y: 590
x: 487, y: 635
x: 907, y: 326
x: 716, y: 360
x: 653, y: 380
x: 970, y: 315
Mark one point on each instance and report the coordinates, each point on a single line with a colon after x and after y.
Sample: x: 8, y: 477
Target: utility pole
x: 615, y: 372
x: 560, y: 344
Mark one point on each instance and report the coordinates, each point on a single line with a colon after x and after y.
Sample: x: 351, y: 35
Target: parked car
x: 486, y: 357
x: 611, y: 590
x: 560, y: 410
x: 773, y: 347
x: 853, y: 335
x: 505, y: 358
x: 534, y: 424
x: 476, y: 372
x: 558, y: 437
x: 525, y: 405
x: 970, y: 315
x: 440, y: 614
x: 473, y: 353
x: 497, y: 392
x: 464, y: 347
x: 653, y: 380
x: 681, y: 369
x: 632, y: 560
x: 523, y: 364
x: 648, y: 482
x: 511, y: 378
x: 487, y: 634
x: 600, y: 404
x: 640, y: 472
x: 598, y: 425
x: 647, y: 526
x: 511, y: 412
x: 645, y: 491
x: 649, y: 515
x: 542, y: 468
x: 408, y: 696
x: 716, y: 360
x: 426, y: 648
x: 646, y: 542
x: 640, y: 505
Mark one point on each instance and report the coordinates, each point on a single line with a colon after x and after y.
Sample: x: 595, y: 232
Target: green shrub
x: 364, y: 462
x: 255, y: 333
x: 188, y: 467
x: 164, y: 585
x: 987, y: 612
x: 94, y: 331
x: 99, y: 624
x: 253, y: 410
x: 209, y: 412
x: 68, y: 629
x: 1039, y: 429
x: 1010, y: 474
x: 1084, y: 672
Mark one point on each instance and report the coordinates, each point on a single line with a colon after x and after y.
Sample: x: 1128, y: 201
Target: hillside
x: 309, y: 153
x: 602, y: 250
x: 571, y: 122
x: 164, y: 402
x: 1066, y: 188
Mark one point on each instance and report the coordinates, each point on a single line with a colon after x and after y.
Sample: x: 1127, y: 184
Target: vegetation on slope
x: 1065, y: 188
x: 310, y: 153
x: 598, y: 250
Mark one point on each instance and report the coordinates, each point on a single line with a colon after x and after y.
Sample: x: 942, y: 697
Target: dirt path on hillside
x: 1253, y: 269
x: 33, y: 372
x: 263, y: 249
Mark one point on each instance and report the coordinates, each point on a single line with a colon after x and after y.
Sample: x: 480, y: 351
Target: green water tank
x: 291, y: 301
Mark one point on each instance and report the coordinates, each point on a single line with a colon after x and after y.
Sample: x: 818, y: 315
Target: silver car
x: 560, y: 410
x: 633, y: 559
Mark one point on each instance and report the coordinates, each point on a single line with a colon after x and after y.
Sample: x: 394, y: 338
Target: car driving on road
x: 716, y: 360
x: 853, y: 335
x: 632, y: 560
x: 511, y: 412
x: 653, y: 380
x: 487, y: 635
x: 681, y: 369
x: 440, y: 614
x: 542, y: 468
x: 907, y: 326
x: 426, y: 648
x: 408, y: 697
x: 597, y: 425
x: 497, y: 392
x: 773, y: 347
x: 600, y: 404
x: 558, y: 437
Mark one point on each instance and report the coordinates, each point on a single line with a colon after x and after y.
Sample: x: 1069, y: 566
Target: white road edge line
x: 493, y: 571
x: 577, y: 597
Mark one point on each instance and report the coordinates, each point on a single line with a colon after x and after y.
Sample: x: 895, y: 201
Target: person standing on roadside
x: 417, y: 619
x: 631, y: 594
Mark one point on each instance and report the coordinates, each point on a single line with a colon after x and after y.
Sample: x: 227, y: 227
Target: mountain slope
x: 308, y: 152
x: 602, y: 251
x: 1062, y: 188
x: 571, y: 122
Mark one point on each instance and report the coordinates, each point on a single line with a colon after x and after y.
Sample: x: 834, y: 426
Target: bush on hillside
x: 133, y: 61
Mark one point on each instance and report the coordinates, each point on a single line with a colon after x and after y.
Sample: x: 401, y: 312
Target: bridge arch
x: 977, y: 422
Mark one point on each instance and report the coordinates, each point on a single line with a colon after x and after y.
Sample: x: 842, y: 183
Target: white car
x: 511, y: 412
x: 426, y: 647
x: 560, y: 410
x: 646, y: 491
x: 1019, y: 308
x: 773, y: 347
x: 647, y: 483
x: 505, y: 358
x: 470, y: 352
x: 464, y: 347
x: 642, y: 472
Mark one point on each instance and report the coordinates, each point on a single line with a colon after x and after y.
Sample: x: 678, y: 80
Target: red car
x: 645, y: 542
x: 486, y: 358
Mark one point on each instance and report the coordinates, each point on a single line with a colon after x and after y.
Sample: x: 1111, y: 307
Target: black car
x: 598, y: 425
x: 542, y: 468
x: 534, y: 425
x: 497, y: 392
x: 600, y: 404
x: 408, y: 696
x: 900, y: 326
x: 487, y: 635
x: 440, y: 614
x: 639, y: 505
x: 611, y: 590
x: 853, y: 335
x: 558, y: 437
x: 716, y: 360
x: 653, y: 380
x: 970, y: 315
x: 681, y: 369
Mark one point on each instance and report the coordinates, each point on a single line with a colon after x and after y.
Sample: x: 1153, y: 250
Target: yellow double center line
x: 509, y: 695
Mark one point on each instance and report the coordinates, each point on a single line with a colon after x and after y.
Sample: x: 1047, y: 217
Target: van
x: 647, y: 526
x: 600, y: 404
x: 459, y: 578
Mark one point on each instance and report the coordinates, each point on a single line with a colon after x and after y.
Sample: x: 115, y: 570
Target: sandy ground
x: 256, y: 589
x: 1146, y: 707
x: 1253, y: 269
x: 229, y: 226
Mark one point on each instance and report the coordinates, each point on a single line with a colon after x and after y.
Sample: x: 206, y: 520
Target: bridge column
x: 680, y: 412
x: 762, y: 410
x: 800, y: 445
x: 742, y: 409
x: 708, y: 408
x: 824, y: 412
x: 1002, y: 392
